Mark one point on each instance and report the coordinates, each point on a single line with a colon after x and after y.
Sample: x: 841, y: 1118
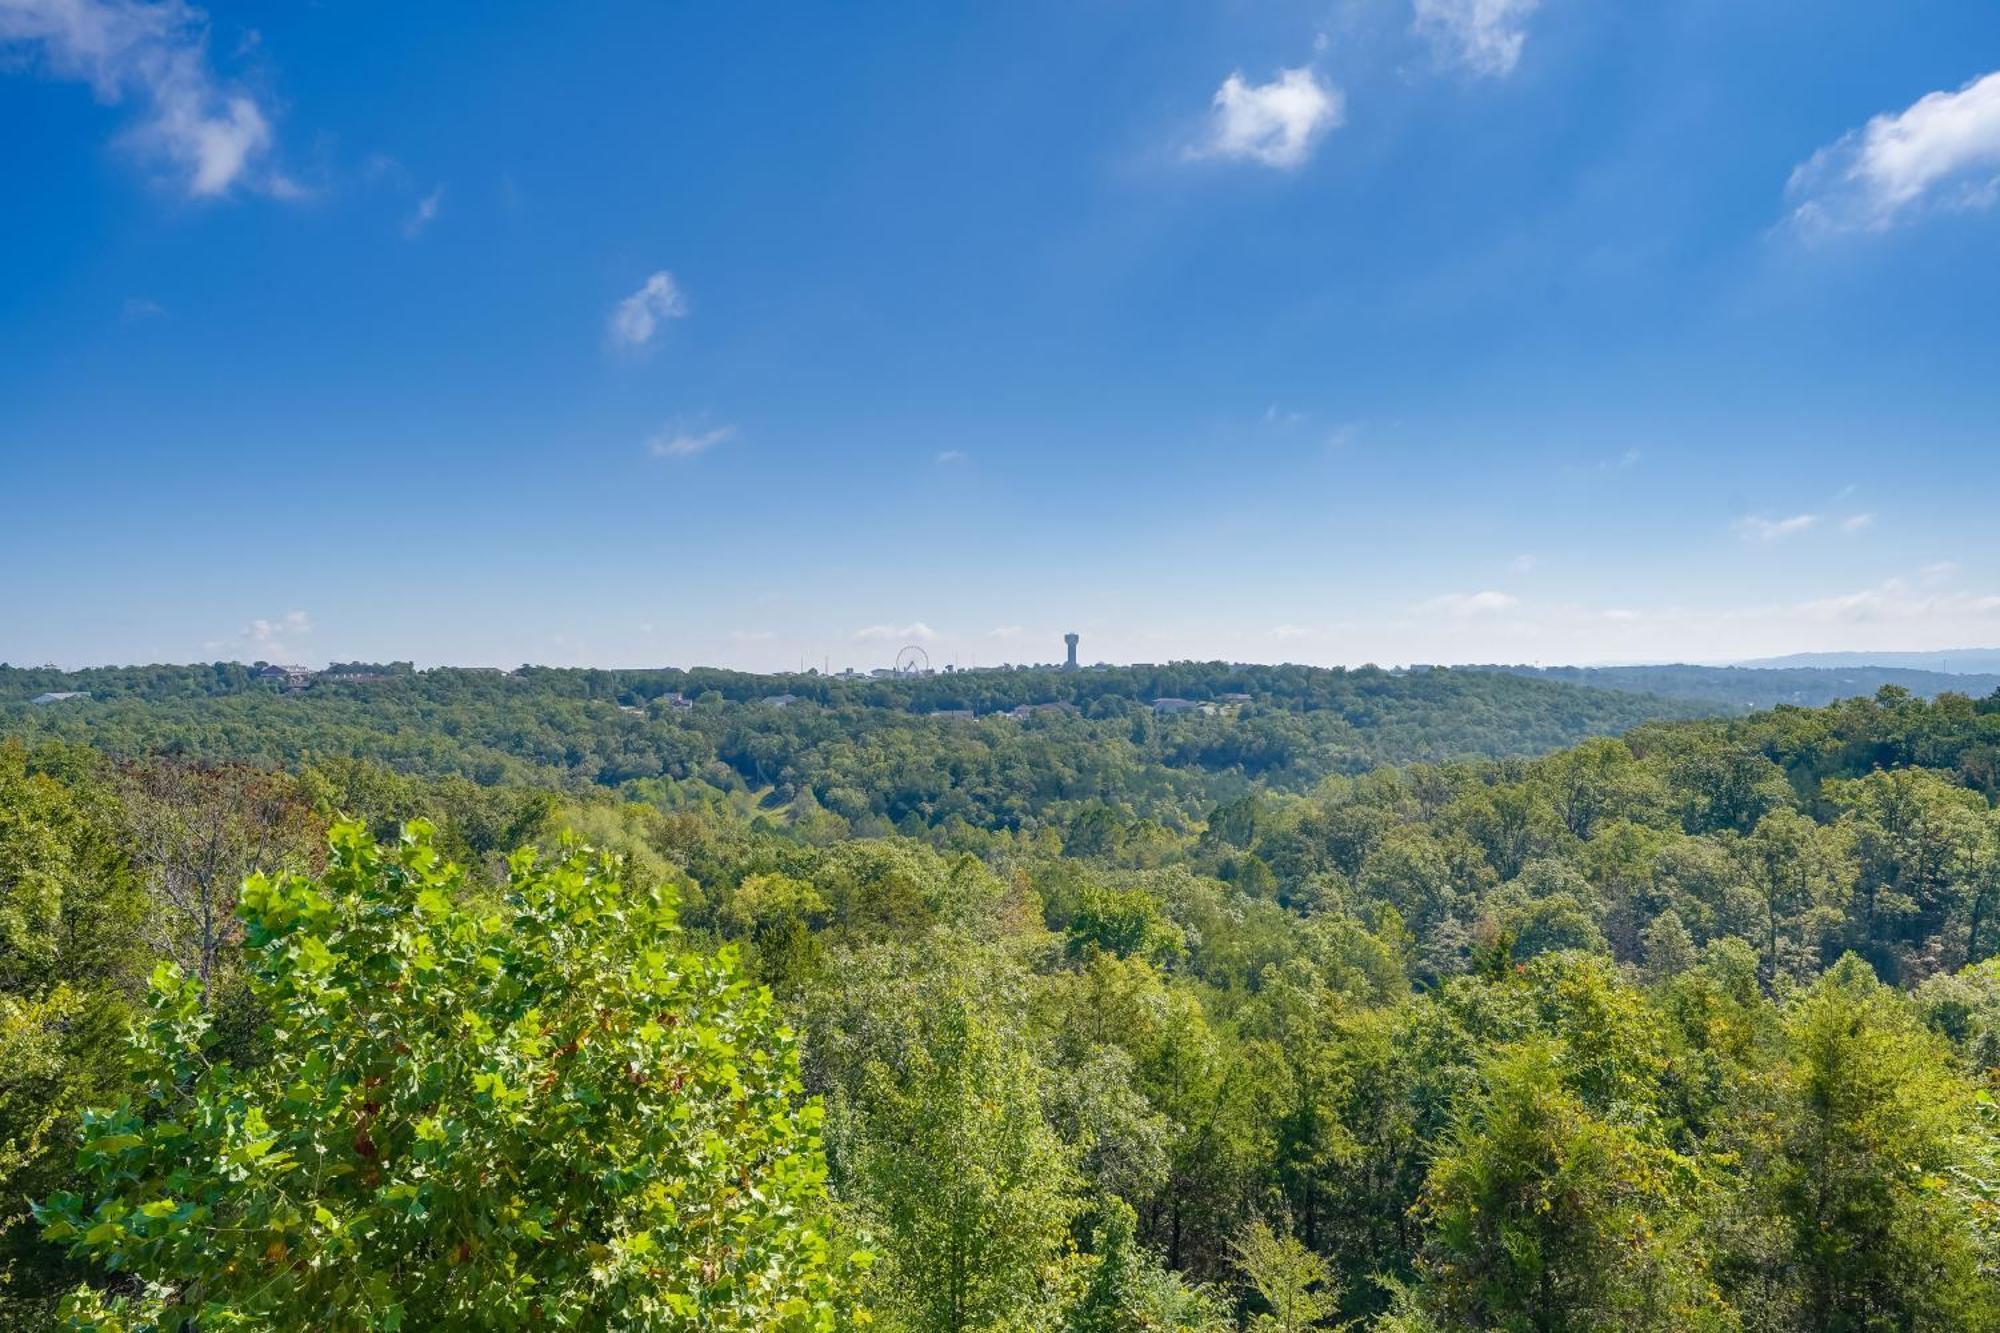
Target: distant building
x: 952, y: 714
x: 1235, y: 698
x: 286, y: 677
x: 780, y: 700
x: 1069, y: 642
x: 1171, y: 707
x: 676, y: 701
x: 60, y: 696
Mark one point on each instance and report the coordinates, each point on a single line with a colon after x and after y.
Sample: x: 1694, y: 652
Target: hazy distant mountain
x: 1956, y: 661
x: 1763, y: 687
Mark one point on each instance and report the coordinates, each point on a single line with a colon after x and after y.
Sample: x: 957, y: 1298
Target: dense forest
x: 1411, y: 1001
x: 1767, y: 687
x: 896, y: 753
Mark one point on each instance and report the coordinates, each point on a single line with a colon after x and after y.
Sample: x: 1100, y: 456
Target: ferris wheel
x: 913, y: 661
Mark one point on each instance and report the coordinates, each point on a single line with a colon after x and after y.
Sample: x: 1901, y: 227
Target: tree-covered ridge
x: 870, y: 751
x: 1764, y: 686
x: 1696, y: 1028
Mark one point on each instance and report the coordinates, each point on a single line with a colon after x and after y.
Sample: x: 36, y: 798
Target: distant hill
x: 1954, y: 661
x: 993, y: 748
x: 1762, y: 687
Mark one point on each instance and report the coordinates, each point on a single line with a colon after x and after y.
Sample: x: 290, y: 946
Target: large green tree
x: 1850, y: 1144
x: 540, y: 1112
x: 969, y: 1189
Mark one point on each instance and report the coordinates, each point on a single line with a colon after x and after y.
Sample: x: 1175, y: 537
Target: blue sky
x: 1387, y: 330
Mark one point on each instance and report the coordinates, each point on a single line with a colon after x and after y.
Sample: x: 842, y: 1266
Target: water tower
x: 1069, y: 642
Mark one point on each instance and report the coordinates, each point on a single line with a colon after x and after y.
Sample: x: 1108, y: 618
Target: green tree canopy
x: 542, y: 1114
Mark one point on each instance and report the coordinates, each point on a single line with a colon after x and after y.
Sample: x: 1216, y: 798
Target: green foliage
x: 1295, y: 1286
x: 70, y: 921
x: 1852, y: 1142
x: 1127, y: 1291
x: 1549, y: 1043
x: 1551, y: 1215
x: 1766, y: 687
x: 867, y: 750
x: 970, y: 1192
x: 1125, y: 922
x: 543, y: 1114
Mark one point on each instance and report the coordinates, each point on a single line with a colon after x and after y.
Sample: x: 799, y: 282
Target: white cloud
x: 274, y: 640
x: 1939, y: 572
x: 1757, y: 528
x: 138, y: 309
x: 1941, y: 151
x: 949, y: 456
x: 1910, y: 612
x: 1857, y: 522
x: 1523, y: 564
x: 916, y: 630
x: 153, y: 52
x: 1275, y: 123
x: 1893, y: 601
x: 427, y: 211
x: 637, y: 318
x: 1006, y: 632
x: 751, y: 635
x: 1485, y: 36
x: 1293, y: 632
x: 683, y: 442
x: 1461, y: 605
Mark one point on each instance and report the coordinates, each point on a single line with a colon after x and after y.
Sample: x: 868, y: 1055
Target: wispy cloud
x: 915, y: 630
x: 211, y: 137
x: 1857, y: 522
x: 1893, y: 600
x: 1275, y: 123
x: 277, y: 638
x: 950, y: 456
x: 1294, y: 632
x: 1939, y: 572
x: 1005, y: 632
x: 425, y: 214
x: 1462, y: 605
x: 1757, y: 528
x: 751, y: 636
x: 638, y: 317
x: 1484, y: 36
x: 684, y: 442
x: 1940, y: 152
x: 1523, y: 564
x: 138, y: 310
